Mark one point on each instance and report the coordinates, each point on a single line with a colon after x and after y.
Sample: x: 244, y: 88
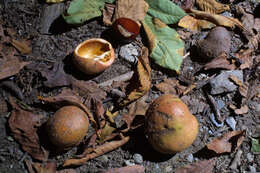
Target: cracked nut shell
x: 93, y: 56
x: 170, y: 127
x: 67, y: 127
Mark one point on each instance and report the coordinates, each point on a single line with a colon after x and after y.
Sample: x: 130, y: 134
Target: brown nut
x: 67, y: 127
x: 126, y: 28
x: 93, y: 56
x: 170, y: 127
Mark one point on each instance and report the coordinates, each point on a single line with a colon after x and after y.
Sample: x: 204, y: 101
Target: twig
x: 120, y: 78
x: 215, y: 108
x: 13, y: 88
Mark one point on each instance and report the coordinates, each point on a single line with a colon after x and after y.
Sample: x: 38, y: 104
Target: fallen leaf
x: 165, y: 10
x: 22, y: 46
x: 227, y: 143
x: 194, y: 24
x: 10, y: 64
x: 255, y: 145
x: 127, y: 169
x: 143, y: 76
x: 245, y: 58
x: 218, y: 19
x: 247, y: 20
x: 55, y: 76
x: 68, y: 97
x: 67, y: 171
x: 95, y: 152
x: 242, y: 110
x: 133, y: 9
x: 170, y: 86
x: 49, y: 167
x: 220, y: 62
x: 80, y: 11
x: 243, y: 90
x: 108, y: 14
x: 235, y: 80
x: 204, y: 166
x: 254, y: 41
x: 23, y: 126
x: 166, y: 47
x: 212, y: 6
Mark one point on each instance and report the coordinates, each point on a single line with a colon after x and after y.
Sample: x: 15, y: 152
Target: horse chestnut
x: 67, y: 127
x: 170, y: 127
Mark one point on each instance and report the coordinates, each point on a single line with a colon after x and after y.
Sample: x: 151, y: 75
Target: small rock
x: 252, y: 169
x: 220, y: 104
x: 168, y: 169
x: 250, y: 157
x: 104, y: 158
x: 129, y: 52
x: 231, y: 122
x: 129, y: 163
x: 217, y: 41
x: 138, y: 158
x: 221, y: 83
x: 190, y: 158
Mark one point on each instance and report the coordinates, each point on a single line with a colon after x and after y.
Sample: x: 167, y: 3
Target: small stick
x: 120, y: 78
x: 215, y: 108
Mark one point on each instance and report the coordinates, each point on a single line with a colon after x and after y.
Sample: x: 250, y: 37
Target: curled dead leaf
x: 204, y: 166
x: 220, y: 62
x: 194, y: 24
x: 108, y: 14
x: 227, y: 143
x: 91, y: 153
x: 212, y: 6
x: 141, y: 81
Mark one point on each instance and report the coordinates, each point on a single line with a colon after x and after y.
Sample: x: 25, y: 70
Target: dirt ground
x: 26, y: 18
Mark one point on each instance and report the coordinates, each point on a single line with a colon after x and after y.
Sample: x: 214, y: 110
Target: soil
x: 25, y: 17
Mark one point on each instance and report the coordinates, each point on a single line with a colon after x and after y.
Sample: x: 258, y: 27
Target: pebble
x: 221, y: 83
x: 250, y: 157
x: 168, y: 169
x: 138, y: 158
x: 190, y: 158
x: 231, y: 122
x: 220, y: 104
x: 252, y: 169
x: 129, y: 163
x: 129, y: 52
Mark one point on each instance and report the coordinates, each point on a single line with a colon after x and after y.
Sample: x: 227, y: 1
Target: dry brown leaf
x: 245, y: 58
x: 23, y: 126
x: 243, y: 90
x: 218, y: 19
x: 127, y: 169
x: 67, y: 171
x: 227, y: 143
x: 220, y: 62
x: 254, y: 42
x: 133, y: 9
x: 242, y: 110
x: 235, y: 79
x: 10, y: 64
x: 140, y: 84
x: 247, y: 20
x: 194, y: 24
x: 68, y: 97
x: 108, y: 14
x: 170, y: 86
x: 204, y: 166
x: 22, y: 46
x: 49, y: 167
x: 95, y: 152
x: 212, y: 6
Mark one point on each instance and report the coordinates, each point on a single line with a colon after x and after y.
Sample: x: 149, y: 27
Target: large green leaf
x: 80, y: 11
x: 255, y: 145
x: 166, y: 47
x: 165, y: 10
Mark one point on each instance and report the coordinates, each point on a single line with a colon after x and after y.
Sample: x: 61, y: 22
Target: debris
x: 127, y: 169
x: 170, y: 86
x: 129, y: 52
x: 22, y: 46
x: 91, y: 153
x: 221, y: 83
x: 190, y: 158
x: 231, y: 122
x: 224, y: 144
x: 108, y: 14
x: 217, y: 41
x: 213, y: 120
x: 13, y: 89
x: 205, y: 166
x: 236, y: 161
x: 250, y: 157
x: 212, y: 6
x: 216, y: 110
x: 242, y: 110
